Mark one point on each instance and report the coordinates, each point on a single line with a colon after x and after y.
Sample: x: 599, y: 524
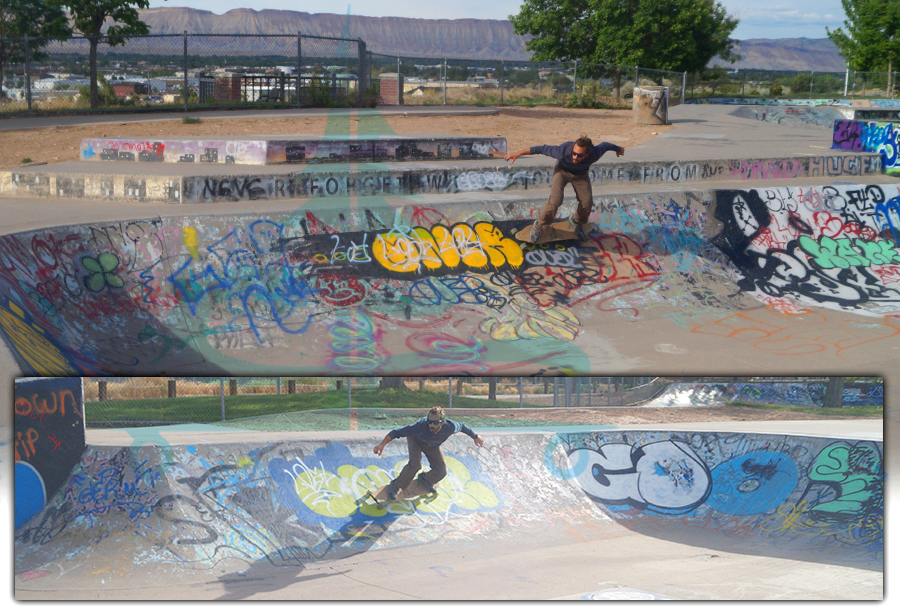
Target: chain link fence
x: 142, y: 401
x: 455, y: 81
x: 752, y: 83
x: 182, y: 72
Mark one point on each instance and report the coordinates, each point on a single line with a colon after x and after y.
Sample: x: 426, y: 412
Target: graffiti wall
x: 228, y: 507
x: 411, y: 288
x: 781, y: 393
x: 785, y: 491
x: 286, y: 503
x: 835, y: 246
x: 411, y: 179
x: 49, y: 439
x: 881, y: 138
x: 299, y: 150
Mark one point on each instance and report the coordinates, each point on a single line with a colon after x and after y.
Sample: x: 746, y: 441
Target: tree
x: 90, y: 16
x: 675, y: 35
x: 392, y: 382
x: 872, y: 39
x: 834, y: 392
x: 31, y: 18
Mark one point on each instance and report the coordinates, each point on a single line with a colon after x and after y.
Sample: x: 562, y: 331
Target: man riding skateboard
x: 425, y: 437
x: 574, y: 160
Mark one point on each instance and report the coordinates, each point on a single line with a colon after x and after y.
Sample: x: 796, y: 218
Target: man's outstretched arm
x: 512, y: 157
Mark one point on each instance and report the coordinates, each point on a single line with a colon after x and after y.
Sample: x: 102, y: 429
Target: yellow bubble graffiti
x: 190, y: 241
x: 29, y: 342
x: 444, y: 249
x: 341, y: 494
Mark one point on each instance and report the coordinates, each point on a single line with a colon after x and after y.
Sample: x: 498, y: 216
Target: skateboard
x: 414, y: 491
x: 558, y: 231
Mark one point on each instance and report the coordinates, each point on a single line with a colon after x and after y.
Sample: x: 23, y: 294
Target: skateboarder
x: 575, y: 159
x: 425, y: 436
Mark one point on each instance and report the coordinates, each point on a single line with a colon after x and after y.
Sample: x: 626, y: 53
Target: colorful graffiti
x: 831, y: 246
x: 761, y: 485
x: 166, y: 293
x: 780, y: 393
x: 227, y: 507
x: 881, y: 138
x: 49, y: 439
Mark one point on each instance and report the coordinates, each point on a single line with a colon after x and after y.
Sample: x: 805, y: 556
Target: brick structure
x: 390, y: 90
x: 228, y: 86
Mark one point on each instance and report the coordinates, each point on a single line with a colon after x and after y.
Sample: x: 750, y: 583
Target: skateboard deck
x: 413, y: 491
x: 558, y: 231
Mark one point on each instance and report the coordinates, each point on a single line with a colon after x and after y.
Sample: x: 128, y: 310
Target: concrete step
x: 207, y: 183
x: 285, y: 149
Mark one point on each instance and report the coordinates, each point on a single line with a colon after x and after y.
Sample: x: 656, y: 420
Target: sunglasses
x: 438, y: 422
x: 581, y: 155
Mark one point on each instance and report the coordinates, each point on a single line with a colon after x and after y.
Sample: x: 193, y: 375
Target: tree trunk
x: 834, y: 393
x: 492, y: 389
x: 617, y: 85
x: 392, y: 382
x: 95, y: 96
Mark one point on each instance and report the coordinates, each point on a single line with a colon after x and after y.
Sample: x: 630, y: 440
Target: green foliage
x: 190, y: 120
x: 676, y: 35
x: 32, y: 18
x: 589, y: 98
x: 776, y: 90
x: 872, y: 37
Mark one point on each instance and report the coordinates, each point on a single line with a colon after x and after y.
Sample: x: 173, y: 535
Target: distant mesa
x: 482, y: 39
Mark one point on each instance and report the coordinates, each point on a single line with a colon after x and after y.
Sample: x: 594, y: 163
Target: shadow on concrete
x: 818, y: 549
x: 282, y: 569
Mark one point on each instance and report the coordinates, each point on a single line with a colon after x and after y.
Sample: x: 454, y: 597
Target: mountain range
x: 484, y: 39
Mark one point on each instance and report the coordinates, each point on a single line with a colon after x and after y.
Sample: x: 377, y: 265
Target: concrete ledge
x: 207, y: 183
x: 257, y: 150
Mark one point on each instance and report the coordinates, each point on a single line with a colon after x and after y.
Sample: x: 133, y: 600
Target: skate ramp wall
x: 375, y: 287
x: 49, y: 439
x: 216, y: 509
x: 782, y: 393
x: 881, y: 138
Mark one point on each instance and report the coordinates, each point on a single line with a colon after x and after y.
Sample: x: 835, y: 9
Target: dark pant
x: 583, y: 194
x: 435, y: 458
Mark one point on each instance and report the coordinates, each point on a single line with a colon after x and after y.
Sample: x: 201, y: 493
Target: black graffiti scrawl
x: 830, y: 246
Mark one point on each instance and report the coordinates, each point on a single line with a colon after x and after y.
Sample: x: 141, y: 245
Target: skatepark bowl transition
x: 696, y: 513
x: 725, y: 246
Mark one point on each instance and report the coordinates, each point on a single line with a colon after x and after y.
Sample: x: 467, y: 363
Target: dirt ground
x: 522, y: 128
x: 643, y: 415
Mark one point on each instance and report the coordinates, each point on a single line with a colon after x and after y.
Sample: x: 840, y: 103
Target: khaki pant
x: 435, y: 457
x: 583, y: 194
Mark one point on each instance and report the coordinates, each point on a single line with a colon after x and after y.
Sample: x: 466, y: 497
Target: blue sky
x: 759, y: 18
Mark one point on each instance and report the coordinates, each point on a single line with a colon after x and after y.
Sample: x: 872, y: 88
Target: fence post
x: 222, y: 396
x: 637, y: 71
x: 184, y: 94
x: 171, y: 392
x: 299, y: 65
x: 278, y: 385
x: 520, y: 392
x: 501, y: 83
x: 811, y: 79
x: 362, y: 83
x: 445, y: 81
x: 575, y: 79
x: 846, y: 81
x: 27, y: 73
x: 450, y: 392
x: 555, y: 391
x: 683, y: 87
x: 349, y: 392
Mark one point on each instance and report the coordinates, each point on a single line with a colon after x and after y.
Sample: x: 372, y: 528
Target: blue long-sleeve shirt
x: 563, y: 153
x: 420, y: 431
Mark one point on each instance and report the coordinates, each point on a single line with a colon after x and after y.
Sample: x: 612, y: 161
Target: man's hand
x: 479, y: 441
x: 620, y: 153
x: 378, y: 449
x: 511, y: 157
